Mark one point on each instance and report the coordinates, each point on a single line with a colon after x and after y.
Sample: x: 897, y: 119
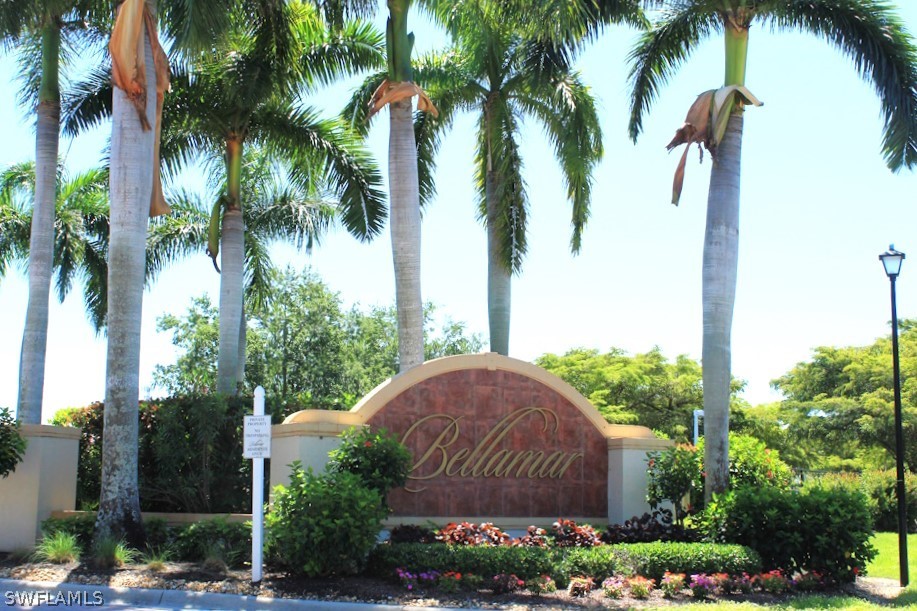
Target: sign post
x: 256, y: 444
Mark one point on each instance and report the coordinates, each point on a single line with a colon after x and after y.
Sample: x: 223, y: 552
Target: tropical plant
x: 80, y: 227
x: 43, y: 34
x: 867, y: 31
x: 59, y: 548
x: 12, y: 443
x: 140, y: 75
x: 504, y: 76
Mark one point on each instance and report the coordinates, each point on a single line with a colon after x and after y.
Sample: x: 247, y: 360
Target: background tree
x: 867, y: 31
x: 307, y: 350
x: 644, y: 389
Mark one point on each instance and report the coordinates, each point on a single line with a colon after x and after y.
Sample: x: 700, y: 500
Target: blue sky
x: 818, y: 206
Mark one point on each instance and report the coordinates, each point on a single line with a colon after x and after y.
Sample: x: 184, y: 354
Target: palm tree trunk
x: 240, y: 372
x: 721, y: 250
x: 131, y: 177
x: 499, y: 279
x: 41, y: 239
x: 232, y: 273
x: 231, y: 280
x: 405, y: 226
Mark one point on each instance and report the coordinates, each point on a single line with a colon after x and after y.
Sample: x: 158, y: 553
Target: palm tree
x: 39, y: 29
x: 505, y: 76
x: 240, y: 93
x: 141, y: 80
x: 867, y: 31
x: 396, y: 91
x: 275, y: 210
x: 80, y: 231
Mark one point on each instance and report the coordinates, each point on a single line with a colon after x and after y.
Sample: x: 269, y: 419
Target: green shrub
x: 59, y: 548
x: 381, y: 461
x: 323, y: 524
x: 12, y: 443
x: 817, y: 529
x: 881, y: 489
x: 190, y: 454
x: 651, y: 560
x: 231, y: 540
x: 109, y: 553
x: 674, y: 473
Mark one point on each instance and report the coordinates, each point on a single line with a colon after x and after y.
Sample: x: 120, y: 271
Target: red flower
x: 367, y: 444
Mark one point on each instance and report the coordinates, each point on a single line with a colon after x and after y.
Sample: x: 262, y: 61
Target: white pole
x: 258, y: 500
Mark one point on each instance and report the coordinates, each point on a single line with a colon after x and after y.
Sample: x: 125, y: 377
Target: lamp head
x: 891, y: 260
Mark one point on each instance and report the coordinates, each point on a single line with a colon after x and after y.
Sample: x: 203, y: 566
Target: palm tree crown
x: 866, y: 31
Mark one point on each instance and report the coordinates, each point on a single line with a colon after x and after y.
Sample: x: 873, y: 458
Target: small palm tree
x: 80, y: 246
x: 867, y: 31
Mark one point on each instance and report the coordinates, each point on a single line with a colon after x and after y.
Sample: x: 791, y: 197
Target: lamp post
x: 891, y: 260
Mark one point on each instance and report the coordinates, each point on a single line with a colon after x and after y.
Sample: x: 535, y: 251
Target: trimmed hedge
x: 816, y: 529
x: 647, y: 559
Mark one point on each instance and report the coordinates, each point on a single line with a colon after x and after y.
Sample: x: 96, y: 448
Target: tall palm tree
x: 140, y: 73
x: 396, y: 92
x: 504, y: 76
x: 41, y: 31
x: 80, y: 230
x: 241, y: 92
x: 868, y: 32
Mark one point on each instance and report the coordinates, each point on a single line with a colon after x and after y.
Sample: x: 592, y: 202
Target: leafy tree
x: 867, y: 31
x: 840, y: 406
x: 644, y: 389
x: 304, y: 348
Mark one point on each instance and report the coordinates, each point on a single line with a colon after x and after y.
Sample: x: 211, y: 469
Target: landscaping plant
x: 378, y: 458
x: 59, y: 548
x: 672, y: 584
x: 324, y: 524
x: 12, y: 443
x: 580, y: 587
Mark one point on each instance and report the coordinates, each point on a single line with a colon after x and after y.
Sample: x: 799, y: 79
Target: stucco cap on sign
x: 388, y: 390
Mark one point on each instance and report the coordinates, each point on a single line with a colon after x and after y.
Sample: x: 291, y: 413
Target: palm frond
x: 327, y: 145
x: 194, y: 24
x: 87, y: 103
x: 356, y: 111
x: 500, y: 184
x: 331, y: 56
x: 661, y: 50
x: 15, y: 230
x: 95, y: 282
x: 871, y: 34
x: 291, y: 215
x: 451, y: 87
x: 258, y: 268
x: 177, y: 235
x: 568, y: 114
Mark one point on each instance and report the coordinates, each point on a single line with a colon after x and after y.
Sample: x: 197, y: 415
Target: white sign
x: 256, y: 437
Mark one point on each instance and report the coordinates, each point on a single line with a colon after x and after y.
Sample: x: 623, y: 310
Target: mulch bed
x: 188, y: 576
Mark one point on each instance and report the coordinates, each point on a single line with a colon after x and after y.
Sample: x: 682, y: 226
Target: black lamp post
x: 892, y: 262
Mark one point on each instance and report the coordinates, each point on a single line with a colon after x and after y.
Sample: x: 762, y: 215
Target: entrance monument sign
x: 492, y: 438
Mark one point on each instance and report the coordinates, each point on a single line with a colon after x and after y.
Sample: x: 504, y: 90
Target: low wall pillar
x: 45, y: 481
x: 307, y: 436
x: 627, y: 475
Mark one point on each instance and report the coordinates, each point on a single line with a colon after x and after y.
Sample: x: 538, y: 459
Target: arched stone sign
x: 492, y: 438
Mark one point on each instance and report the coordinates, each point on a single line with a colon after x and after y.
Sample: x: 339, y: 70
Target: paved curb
x: 171, y: 599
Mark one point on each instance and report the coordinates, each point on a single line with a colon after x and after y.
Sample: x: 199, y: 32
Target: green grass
x: 885, y: 563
